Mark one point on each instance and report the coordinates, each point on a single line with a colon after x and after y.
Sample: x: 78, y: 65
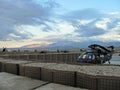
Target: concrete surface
x: 52, y: 86
x: 14, y: 82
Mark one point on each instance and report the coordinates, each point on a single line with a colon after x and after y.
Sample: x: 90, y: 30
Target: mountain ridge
x: 69, y: 45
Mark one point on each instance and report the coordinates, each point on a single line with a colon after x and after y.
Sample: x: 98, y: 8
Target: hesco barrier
x: 32, y: 57
x: 32, y: 72
x: 64, y: 77
x: 98, y: 82
x: 6, y: 56
x: 0, y: 67
x: 54, y: 58
x: 86, y: 81
x: 49, y: 57
x: 3, y: 67
x: 22, y: 70
x: 11, y: 68
x: 108, y: 83
x: 24, y: 57
x: 15, y: 56
x: 73, y: 78
x: 41, y: 57
x: 46, y: 75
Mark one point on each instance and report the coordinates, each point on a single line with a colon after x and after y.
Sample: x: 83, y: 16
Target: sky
x: 45, y: 22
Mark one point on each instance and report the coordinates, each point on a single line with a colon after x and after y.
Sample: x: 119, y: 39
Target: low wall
x: 0, y: 67
x: 46, y: 75
x: 86, y: 81
x: 64, y: 77
x: 11, y: 68
x: 49, y: 57
x: 32, y: 72
x: 72, y: 78
x: 108, y: 83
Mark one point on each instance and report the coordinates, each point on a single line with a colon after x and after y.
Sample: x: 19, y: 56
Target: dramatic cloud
x: 78, y: 29
x: 37, y: 21
x: 89, y: 30
x: 93, y: 25
x: 22, y: 12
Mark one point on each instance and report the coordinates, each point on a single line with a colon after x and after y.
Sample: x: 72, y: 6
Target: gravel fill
x: 40, y: 64
x: 18, y: 61
x: 64, y: 67
x: 100, y: 70
x: 92, y: 70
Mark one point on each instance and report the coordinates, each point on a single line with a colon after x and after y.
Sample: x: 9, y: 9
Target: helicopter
x: 97, y: 54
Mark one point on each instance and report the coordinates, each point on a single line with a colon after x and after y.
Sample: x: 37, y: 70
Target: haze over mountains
x: 69, y: 45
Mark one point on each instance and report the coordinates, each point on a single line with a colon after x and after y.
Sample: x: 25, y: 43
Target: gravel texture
x: 18, y: 61
x: 40, y: 64
x: 100, y: 70
x: 92, y: 70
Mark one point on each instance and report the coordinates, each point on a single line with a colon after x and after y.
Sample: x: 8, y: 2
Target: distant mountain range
x: 34, y: 45
x: 69, y: 45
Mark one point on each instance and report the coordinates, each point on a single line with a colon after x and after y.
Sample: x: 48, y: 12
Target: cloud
x: 103, y: 23
x: 89, y: 30
x: 22, y: 12
x: 83, y: 14
x: 82, y: 30
x: 37, y: 20
x: 112, y: 34
x: 94, y: 25
x: 84, y: 22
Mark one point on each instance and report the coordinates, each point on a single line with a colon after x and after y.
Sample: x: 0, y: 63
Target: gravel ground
x: 100, y: 70
x: 18, y: 61
x: 40, y: 64
x: 92, y: 70
x: 65, y: 67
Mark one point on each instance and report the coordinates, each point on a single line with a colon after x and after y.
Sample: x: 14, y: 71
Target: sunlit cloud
x: 103, y: 23
x: 40, y: 23
x: 22, y: 12
x: 84, y: 22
